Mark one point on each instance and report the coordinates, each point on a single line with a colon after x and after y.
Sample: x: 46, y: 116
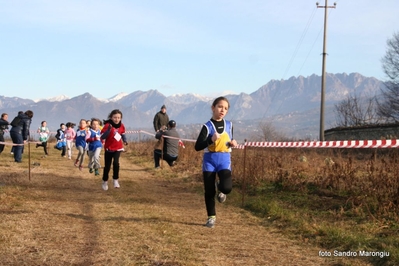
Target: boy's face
x: 95, y: 125
x: 82, y: 124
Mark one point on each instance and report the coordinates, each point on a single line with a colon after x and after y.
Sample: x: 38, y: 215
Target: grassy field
x: 62, y: 217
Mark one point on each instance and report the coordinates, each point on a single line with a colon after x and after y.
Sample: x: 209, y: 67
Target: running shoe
x: 105, y: 185
x: 210, y: 223
x: 222, y: 197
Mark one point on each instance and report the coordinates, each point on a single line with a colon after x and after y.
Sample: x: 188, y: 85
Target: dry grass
x: 62, y: 217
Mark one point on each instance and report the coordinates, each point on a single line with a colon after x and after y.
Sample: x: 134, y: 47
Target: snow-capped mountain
x: 291, y: 104
x: 58, y: 98
x: 188, y: 98
x: 117, y: 97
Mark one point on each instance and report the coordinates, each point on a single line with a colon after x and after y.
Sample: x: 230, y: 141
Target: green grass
x: 330, y: 223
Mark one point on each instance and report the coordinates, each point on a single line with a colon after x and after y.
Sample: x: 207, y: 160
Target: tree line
x: 360, y: 110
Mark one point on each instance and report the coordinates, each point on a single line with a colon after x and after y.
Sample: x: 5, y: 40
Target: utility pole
x: 323, y: 75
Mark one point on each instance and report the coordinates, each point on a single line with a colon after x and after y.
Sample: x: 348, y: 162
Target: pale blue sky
x: 49, y: 48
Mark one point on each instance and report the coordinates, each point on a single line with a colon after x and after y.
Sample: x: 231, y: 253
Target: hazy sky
x: 49, y: 48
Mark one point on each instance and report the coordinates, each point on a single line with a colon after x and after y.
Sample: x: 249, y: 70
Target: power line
x: 293, y: 56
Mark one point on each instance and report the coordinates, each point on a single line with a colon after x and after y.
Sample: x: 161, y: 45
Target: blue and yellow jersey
x: 221, y: 144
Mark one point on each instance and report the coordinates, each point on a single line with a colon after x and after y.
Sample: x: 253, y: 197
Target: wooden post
x: 29, y: 159
x: 161, y: 161
x: 244, y: 186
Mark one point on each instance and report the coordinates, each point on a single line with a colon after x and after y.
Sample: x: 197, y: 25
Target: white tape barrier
x: 355, y: 144
x: 390, y: 143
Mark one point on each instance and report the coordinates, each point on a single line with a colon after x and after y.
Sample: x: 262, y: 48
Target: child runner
x: 61, y: 141
x: 95, y: 145
x: 70, y: 135
x: 80, y: 143
x: 114, y: 136
x: 216, y: 139
x: 44, y: 133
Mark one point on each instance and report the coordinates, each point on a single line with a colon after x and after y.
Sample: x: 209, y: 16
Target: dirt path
x: 62, y: 217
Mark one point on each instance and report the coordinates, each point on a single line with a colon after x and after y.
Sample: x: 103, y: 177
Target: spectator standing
x: 3, y: 127
x: 20, y: 133
x: 161, y: 119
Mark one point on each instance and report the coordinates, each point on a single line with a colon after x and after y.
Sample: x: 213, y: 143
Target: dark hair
x: 3, y: 115
x: 42, y: 122
x: 221, y: 98
x: 172, y: 123
x: 97, y: 120
x: 114, y: 112
x: 62, y: 124
x: 29, y: 113
x: 70, y: 124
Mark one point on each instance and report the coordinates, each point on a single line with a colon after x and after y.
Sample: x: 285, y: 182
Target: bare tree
x: 268, y: 132
x: 390, y: 62
x: 357, y: 111
x: 388, y: 104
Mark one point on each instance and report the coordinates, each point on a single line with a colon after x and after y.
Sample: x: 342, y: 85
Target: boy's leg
x: 81, y: 155
x: 90, y: 164
x: 96, y: 159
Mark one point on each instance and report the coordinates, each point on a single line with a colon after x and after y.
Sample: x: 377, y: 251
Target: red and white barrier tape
x: 356, y: 144
x: 12, y: 144
x: 389, y: 143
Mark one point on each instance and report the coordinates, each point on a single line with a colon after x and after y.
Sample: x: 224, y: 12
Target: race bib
x: 117, y: 136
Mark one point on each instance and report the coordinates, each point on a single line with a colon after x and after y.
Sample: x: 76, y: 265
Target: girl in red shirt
x: 113, y: 133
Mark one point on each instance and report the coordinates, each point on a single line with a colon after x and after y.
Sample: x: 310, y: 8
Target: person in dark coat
x: 20, y: 133
x: 161, y: 119
x: 3, y: 127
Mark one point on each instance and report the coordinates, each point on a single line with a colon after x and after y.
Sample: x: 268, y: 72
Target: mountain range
x: 291, y: 105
